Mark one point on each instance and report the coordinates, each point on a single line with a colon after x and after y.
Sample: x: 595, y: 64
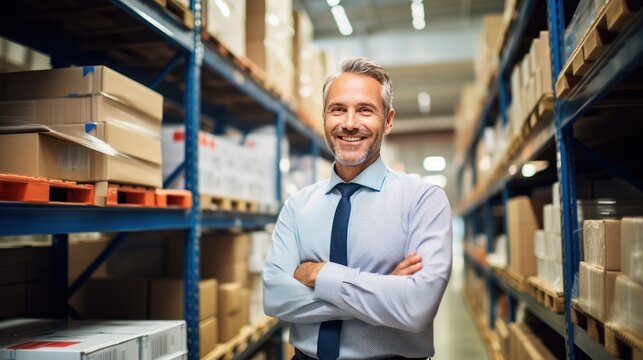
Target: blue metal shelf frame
x: 624, y: 55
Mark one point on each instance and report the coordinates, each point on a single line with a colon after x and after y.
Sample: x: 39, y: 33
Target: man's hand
x: 411, y: 264
x: 306, y: 273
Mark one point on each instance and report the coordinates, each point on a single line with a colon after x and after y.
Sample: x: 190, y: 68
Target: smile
x: 351, y: 138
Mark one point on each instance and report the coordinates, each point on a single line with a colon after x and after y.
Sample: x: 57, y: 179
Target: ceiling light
x: 424, y: 102
x: 439, y: 180
x: 434, y: 163
x: 284, y: 165
x: 332, y: 3
x: 485, y: 163
x: 528, y: 170
x: 417, y: 9
x: 223, y: 7
x: 341, y: 19
x: 419, y: 24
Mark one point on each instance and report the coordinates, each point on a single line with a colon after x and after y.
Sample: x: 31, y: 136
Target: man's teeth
x: 351, y: 138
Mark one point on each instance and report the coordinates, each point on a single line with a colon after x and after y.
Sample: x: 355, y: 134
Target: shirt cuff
x: 329, y: 281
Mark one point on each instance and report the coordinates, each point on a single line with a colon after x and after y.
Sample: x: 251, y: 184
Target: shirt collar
x: 371, y: 177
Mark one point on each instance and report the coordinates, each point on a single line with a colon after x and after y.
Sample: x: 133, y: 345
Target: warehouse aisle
x: 456, y: 337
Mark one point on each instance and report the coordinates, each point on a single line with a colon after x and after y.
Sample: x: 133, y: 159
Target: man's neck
x: 348, y: 173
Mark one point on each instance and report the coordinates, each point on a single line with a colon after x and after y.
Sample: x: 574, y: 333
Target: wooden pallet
x: 224, y: 203
x: 516, y: 281
x: 595, y: 328
x: 179, y: 10
x: 622, y: 343
x: 544, y: 294
x: 39, y: 190
x: 173, y: 198
x: 613, y: 18
x: 247, y: 335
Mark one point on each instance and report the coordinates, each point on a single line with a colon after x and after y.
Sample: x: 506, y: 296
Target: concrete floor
x: 455, y: 334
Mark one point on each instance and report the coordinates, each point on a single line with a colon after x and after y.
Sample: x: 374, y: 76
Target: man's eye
x: 366, y: 110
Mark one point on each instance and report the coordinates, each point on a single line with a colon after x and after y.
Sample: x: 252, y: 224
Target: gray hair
x: 367, y: 67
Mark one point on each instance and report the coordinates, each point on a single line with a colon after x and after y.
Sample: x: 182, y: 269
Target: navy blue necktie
x: 329, y: 331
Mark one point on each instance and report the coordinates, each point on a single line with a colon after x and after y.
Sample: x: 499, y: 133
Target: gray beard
x: 362, y: 159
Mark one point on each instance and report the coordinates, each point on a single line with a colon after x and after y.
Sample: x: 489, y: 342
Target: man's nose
x: 351, y: 120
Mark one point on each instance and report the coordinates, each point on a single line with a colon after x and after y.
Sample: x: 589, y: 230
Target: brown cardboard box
x: 207, y: 336
x: 226, y: 248
x: 166, y: 299
x: 142, y: 255
x: 13, y: 265
x: 229, y: 29
x: 38, y: 262
x: 596, y: 288
x: 79, y: 81
x: 522, y: 224
x: 40, y: 155
x: 229, y: 325
x: 525, y: 345
x: 545, y: 63
x: 13, y: 300
x: 81, y: 255
x: 627, y: 310
x: 113, y: 298
x: 244, y: 306
x: 602, y: 244
x: 229, y: 298
x: 226, y: 272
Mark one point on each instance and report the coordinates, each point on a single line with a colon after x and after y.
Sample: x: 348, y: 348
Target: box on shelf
x: 167, y: 301
x: 244, y: 306
x: 596, y: 290
x: 81, y: 255
x: 122, y: 92
x: 113, y: 298
x: 143, y: 255
x: 602, y: 243
x: 226, y: 21
x: 632, y: 247
x: 229, y: 310
x: 207, y: 336
x: 626, y: 309
x: 522, y: 224
x: 527, y: 345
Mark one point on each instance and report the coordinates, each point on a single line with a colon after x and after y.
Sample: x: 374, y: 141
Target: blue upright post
x: 566, y: 176
x: 280, y: 123
x: 488, y: 226
x: 192, y: 252
x: 59, y: 262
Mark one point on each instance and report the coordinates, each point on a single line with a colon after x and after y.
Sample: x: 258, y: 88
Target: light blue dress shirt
x: 384, y: 315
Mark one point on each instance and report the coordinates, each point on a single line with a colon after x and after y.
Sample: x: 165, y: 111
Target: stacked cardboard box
x: 522, y: 224
x: 226, y: 21
x: 628, y: 292
x: 548, y: 244
x: 486, y: 59
x: 24, y: 281
x: 230, y: 311
x: 526, y: 345
x: 107, y: 127
x: 15, y: 57
x: 269, y: 32
x: 531, y: 79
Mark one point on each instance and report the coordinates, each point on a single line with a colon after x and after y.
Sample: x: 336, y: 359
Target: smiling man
x: 360, y: 261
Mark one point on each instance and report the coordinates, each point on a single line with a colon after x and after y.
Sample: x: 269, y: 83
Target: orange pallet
x: 125, y: 195
x: 171, y: 198
x: 38, y: 190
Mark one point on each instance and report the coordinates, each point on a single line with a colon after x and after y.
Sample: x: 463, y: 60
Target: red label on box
x: 42, y: 344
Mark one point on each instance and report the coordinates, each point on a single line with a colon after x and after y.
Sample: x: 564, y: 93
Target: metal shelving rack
x: 623, y: 57
x: 152, y: 23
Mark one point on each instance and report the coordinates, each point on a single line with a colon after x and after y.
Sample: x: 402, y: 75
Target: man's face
x: 354, y: 119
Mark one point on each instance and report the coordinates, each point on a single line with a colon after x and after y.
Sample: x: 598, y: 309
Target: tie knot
x: 347, y: 189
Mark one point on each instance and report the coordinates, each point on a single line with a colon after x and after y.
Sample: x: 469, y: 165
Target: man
x: 359, y: 270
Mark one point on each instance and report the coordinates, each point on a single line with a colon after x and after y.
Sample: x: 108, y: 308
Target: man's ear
x: 388, y: 124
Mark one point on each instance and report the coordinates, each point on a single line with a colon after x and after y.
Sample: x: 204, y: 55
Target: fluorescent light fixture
x: 332, y: 3
x: 434, y: 163
x: 223, y: 7
x: 342, y: 21
x: 419, y: 24
x: 528, y: 170
x: 439, y: 180
x: 424, y: 102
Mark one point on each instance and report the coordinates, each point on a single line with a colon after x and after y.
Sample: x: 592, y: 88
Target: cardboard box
x: 545, y: 64
x: 38, y: 262
x: 229, y: 313
x: 227, y: 272
x: 627, y: 310
x: 229, y: 28
x: 166, y: 299
x: 13, y: 265
x: 632, y: 247
x: 229, y: 326
x: 244, y: 306
x: 522, y: 225
x: 207, y: 336
x: 602, y: 243
x: 113, y: 298
x: 80, y: 81
x: 81, y: 255
x: 40, y: 155
x: 596, y: 288
x: 142, y: 255
x: 230, y: 248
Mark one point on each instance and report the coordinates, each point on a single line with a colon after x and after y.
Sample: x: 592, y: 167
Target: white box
x: 539, y: 244
x: 553, y: 247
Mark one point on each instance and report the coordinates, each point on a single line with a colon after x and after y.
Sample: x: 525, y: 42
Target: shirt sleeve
x: 284, y: 297
x: 408, y: 303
